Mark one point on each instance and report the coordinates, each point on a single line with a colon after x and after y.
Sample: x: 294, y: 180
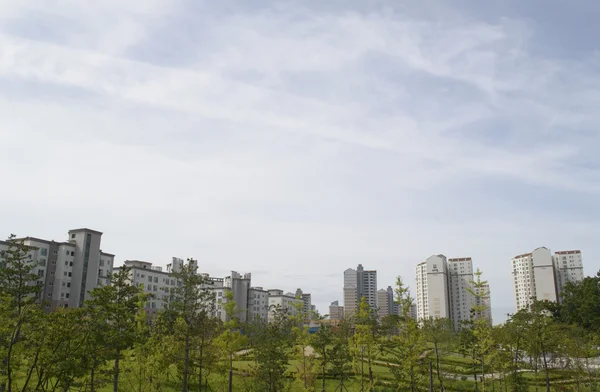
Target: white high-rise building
x: 568, y: 267
x: 539, y: 275
x: 433, y: 298
x: 350, y: 292
x: 460, y: 276
x: 383, y: 309
x: 445, y: 289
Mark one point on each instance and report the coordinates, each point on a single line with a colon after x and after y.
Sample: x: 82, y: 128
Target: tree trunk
x: 437, y: 365
x: 230, y: 389
x: 304, y: 365
x: 546, y: 371
x: 186, y: 362
x: 323, y: 371
x: 92, y: 375
x: 116, y: 373
x: 482, y: 373
x: 200, y: 366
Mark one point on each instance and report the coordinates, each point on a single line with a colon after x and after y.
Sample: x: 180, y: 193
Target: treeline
x: 111, y: 343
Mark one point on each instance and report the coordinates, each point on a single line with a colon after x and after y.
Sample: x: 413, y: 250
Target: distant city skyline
x: 296, y: 139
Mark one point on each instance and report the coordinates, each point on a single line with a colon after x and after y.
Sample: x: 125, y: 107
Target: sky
x: 295, y: 139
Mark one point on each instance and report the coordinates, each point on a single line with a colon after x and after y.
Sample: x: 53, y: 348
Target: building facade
x: 336, y: 311
x: 433, y: 297
x: 462, y: 300
x: 359, y: 283
x: 445, y: 289
x: 68, y: 270
x: 287, y: 302
x: 541, y: 276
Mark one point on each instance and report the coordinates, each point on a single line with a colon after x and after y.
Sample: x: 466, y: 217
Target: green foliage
x: 21, y: 314
x: 581, y: 304
x: 272, y: 346
x: 408, y: 347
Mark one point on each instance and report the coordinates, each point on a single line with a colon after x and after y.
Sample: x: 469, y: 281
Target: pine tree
x: 19, y: 292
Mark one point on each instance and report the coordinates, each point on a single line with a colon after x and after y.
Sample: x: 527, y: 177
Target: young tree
x: 272, y: 345
x: 438, y: 332
x: 19, y: 292
x: 341, y: 359
x: 231, y: 339
x: 408, y: 348
x: 482, y: 337
x: 190, y: 304
x: 321, y: 342
x: 118, y: 303
x: 365, y: 340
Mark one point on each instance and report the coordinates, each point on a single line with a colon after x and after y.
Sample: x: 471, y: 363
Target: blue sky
x: 297, y: 139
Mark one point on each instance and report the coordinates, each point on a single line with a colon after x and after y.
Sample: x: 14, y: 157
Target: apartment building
x: 539, y: 275
x: 68, y: 270
x: 383, y: 304
x: 445, y: 289
x: 153, y: 280
x: 433, y: 297
x: 359, y: 283
x: 258, y: 304
x: 336, y: 312
x: 286, y: 302
x: 462, y: 300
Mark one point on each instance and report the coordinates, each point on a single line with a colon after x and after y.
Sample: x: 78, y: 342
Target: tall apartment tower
x: 460, y: 276
x: 307, y: 301
x: 357, y: 284
x: 445, y: 289
x: 383, y: 308
x: 350, y: 292
x: 539, y: 275
x: 433, y: 297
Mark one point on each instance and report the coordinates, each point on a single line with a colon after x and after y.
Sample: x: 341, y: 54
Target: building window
x: 67, y: 295
x: 68, y: 284
x: 72, y: 236
x: 43, y: 252
x: 69, y: 274
x: 72, y: 253
x: 101, y: 263
x: 156, y: 279
x: 149, y: 278
x: 66, y: 263
x: 70, y: 264
x: 49, y: 294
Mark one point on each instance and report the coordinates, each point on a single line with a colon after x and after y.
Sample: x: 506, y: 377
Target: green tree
x: 408, y: 347
x: 580, y: 304
x: 62, y: 358
x: 339, y: 354
x: 482, y: 336
x: 19, y: 292
x: 231, y: 339
x: 118, y: 303
x: 272, y: 345
x: 439, y: 334
x: 321, y: 342
x: 191, y: 303
x: 365, y: 340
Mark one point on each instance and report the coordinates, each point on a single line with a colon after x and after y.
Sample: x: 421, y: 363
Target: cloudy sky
x: 295, y: 139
